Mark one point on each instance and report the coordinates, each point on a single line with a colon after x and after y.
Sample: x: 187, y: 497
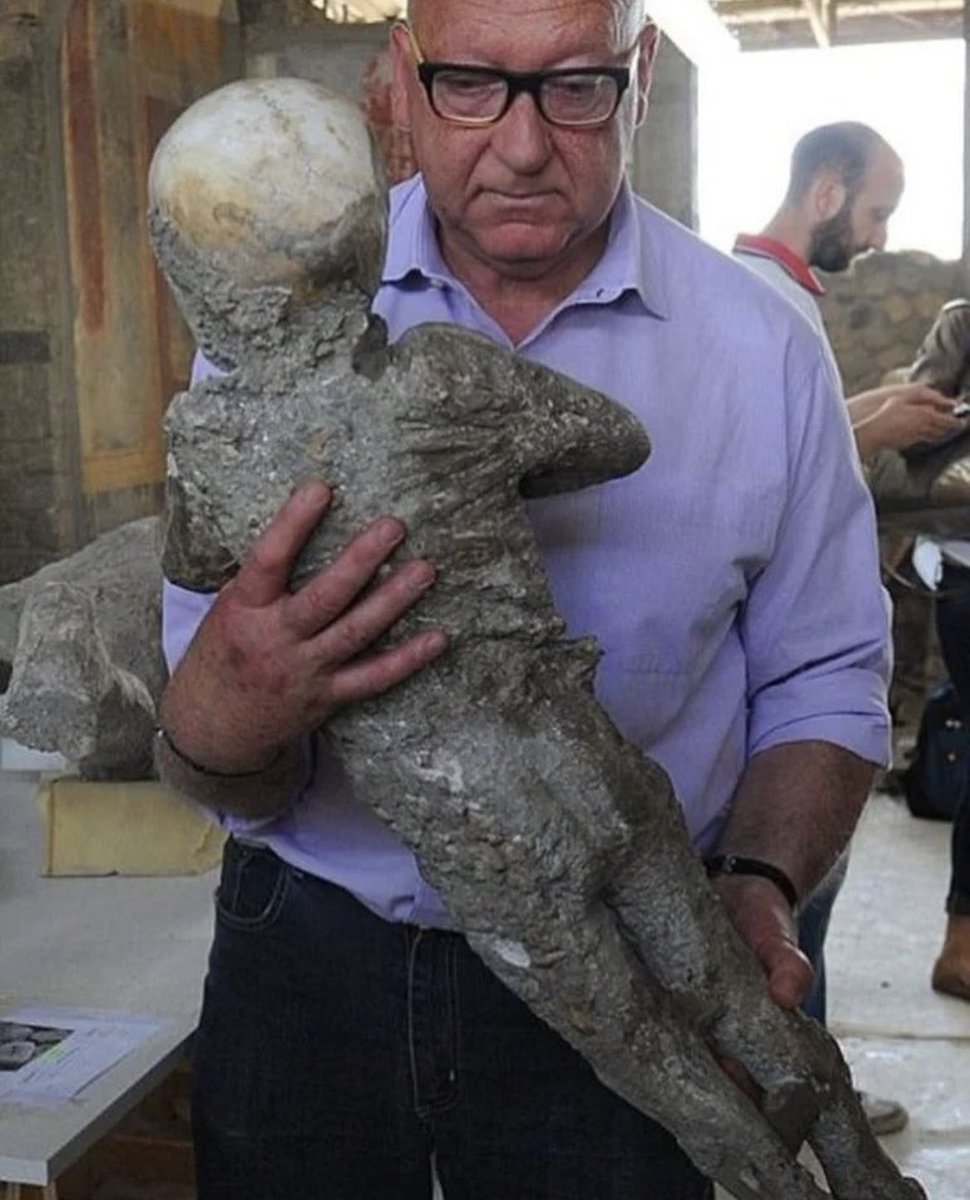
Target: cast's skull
x: 261, y: 179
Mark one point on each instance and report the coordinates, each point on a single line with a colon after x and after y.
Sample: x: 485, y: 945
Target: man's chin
x: 524, y: 245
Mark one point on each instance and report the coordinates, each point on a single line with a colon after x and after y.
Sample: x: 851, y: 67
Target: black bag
x: 938, y: 777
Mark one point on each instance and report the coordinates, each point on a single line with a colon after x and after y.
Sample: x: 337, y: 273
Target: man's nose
x: 522, y: 138
x: 879, y: 238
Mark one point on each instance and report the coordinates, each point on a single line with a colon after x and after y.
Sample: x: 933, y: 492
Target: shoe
x: 884, y: 1116
x: 948, y: 980
x: 951, y: 971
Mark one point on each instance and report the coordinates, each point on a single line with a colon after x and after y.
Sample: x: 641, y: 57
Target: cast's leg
x: 524, y: 1117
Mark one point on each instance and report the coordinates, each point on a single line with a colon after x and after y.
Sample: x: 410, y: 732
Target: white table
x: 38, y: 1144
x: 125, y: 945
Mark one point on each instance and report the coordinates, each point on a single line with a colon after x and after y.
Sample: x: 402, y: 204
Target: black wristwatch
x: 736, y: 864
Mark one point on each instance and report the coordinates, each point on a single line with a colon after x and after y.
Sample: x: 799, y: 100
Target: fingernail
x: 436, y: 640
x: 421, y: 575
x: 390, y: 531
x: 313, y: 491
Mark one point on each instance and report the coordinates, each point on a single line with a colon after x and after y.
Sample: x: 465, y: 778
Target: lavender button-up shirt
x: 732, y: 582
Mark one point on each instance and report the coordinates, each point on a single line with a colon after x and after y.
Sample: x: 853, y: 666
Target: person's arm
x: 901, y: 415
x: 865, y: 404
x: 795, y: 808
x: 816, y: 634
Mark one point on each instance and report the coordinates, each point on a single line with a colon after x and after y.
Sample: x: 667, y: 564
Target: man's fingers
x: 789, y: 972
x: 374, y: 615
x: 317, y: 606
x: 371, y: 676
x: 263, y: 576
x: 931, y: 397
x: 739, y: 1077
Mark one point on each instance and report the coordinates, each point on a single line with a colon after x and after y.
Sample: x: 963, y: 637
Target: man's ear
x: 649, y: 46
x: 402, y: 71
x: 827, y: 195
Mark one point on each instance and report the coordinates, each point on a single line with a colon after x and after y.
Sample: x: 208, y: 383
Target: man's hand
x: 795, y: 807
x: 266, y: 666
x: 761, y: 915
x: 766, y: 924
x: 912, y: 413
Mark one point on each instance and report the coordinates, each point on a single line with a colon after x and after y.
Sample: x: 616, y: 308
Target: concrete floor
x: 901, y: 1038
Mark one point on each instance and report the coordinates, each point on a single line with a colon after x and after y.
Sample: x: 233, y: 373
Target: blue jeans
x: 338, y: 1052
x: 813, y: 926
x: 953, y: 630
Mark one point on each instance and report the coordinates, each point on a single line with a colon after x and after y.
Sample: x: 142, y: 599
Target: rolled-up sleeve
x: 816, y: 622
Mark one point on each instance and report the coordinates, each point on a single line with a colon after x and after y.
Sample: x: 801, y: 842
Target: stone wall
x: 877, y: 313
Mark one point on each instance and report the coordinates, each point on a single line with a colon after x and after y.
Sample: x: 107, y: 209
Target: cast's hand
x: 763, y: 918
x: 267, y: 666
x: 912, y: 414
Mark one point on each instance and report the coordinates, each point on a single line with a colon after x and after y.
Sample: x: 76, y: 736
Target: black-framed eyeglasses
x: 573, y: 97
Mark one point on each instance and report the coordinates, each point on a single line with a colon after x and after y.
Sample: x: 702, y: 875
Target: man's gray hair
x: 631, y: 17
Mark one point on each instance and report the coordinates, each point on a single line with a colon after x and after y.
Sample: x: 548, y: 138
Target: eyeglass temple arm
x: 416, y: 49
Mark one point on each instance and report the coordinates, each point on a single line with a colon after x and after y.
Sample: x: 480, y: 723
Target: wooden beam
x: 815, y: 10
x: 755, y: 12
x: 797, y: 36
x: 361, y: 10
x: 377, y: 10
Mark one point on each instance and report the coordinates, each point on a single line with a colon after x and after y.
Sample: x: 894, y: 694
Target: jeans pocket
x: 252, y: 887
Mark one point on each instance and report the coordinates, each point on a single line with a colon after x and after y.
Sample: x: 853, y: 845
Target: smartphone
x: 961, y: 410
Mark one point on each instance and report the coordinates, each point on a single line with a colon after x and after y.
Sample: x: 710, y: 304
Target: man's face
x: 862, y: 223
x: 520, y: 195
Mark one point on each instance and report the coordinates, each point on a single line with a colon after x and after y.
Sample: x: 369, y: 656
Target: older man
x: 349, y: 1036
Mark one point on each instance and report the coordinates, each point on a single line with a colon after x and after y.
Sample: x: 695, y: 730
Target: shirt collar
x: 413, y: 249
x: 786, y: 258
